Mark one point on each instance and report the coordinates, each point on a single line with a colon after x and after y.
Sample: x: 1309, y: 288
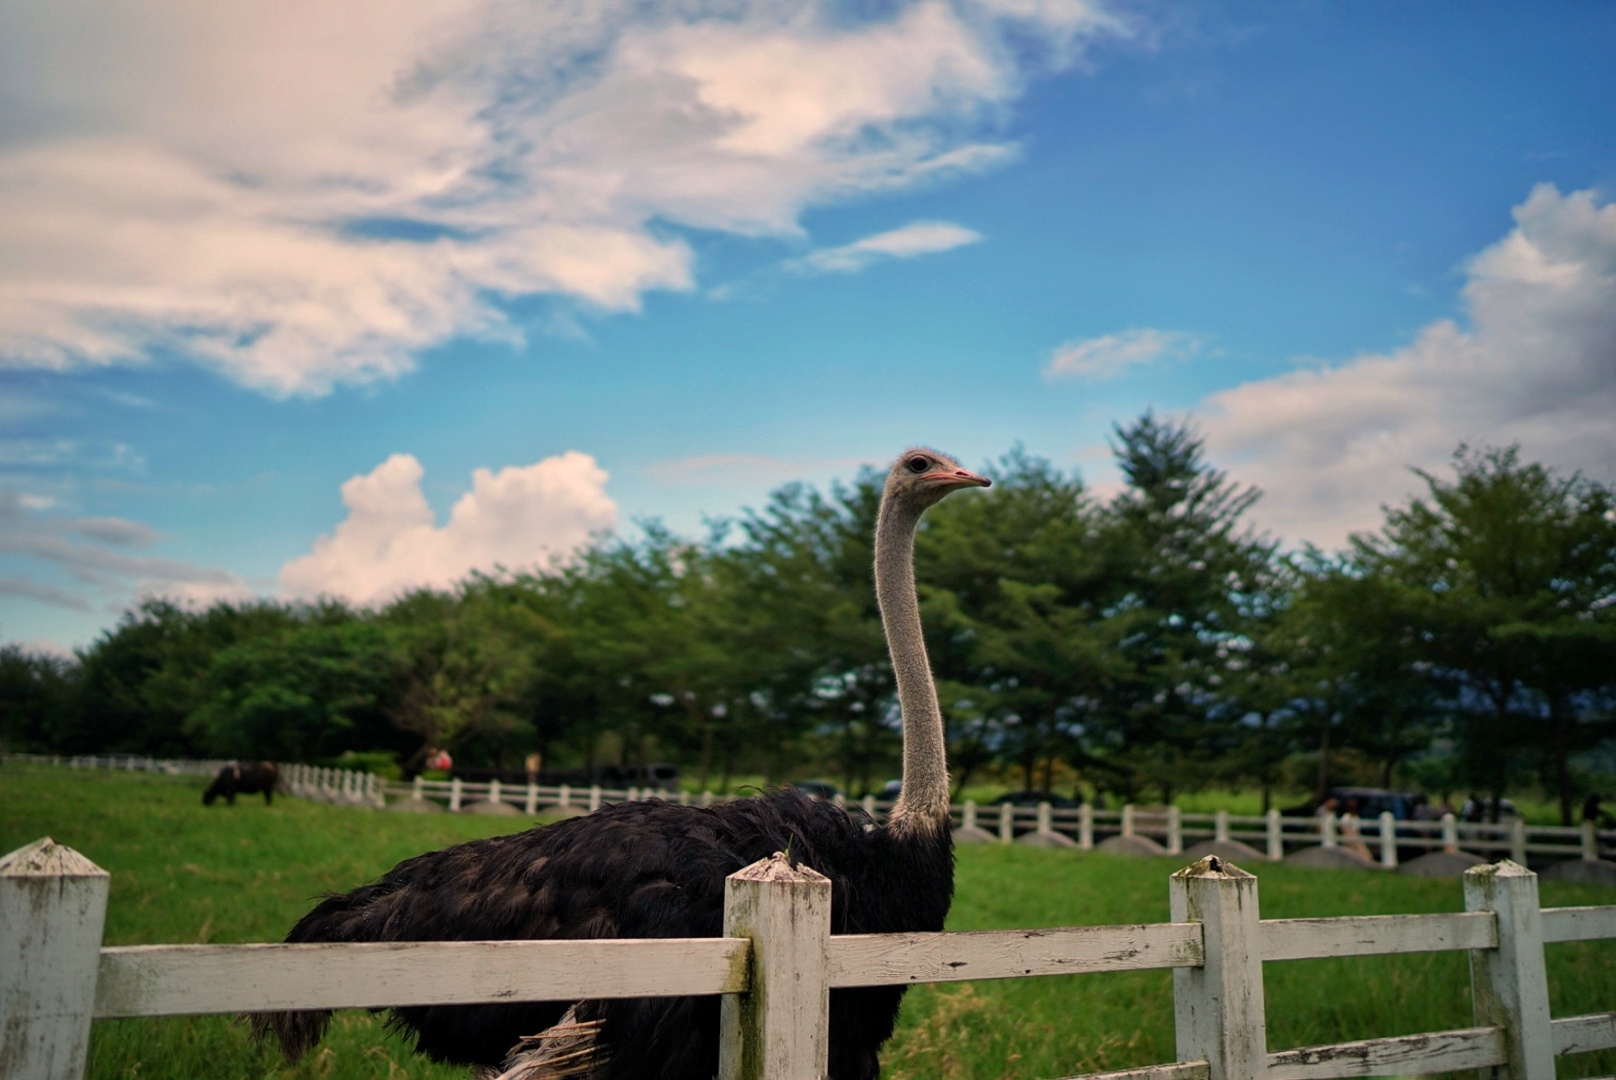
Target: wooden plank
x: 894, y: 959
x: 1375, y: 935
x: 1405, y: 1055
x: 780, y: 1028
x: 1580, y: 1034
x: 1579, y: 923
x: 1178, y: 1070
x: 181, y: 980
x: 53, y: 903
x: 1218, y: 1011
x: 1509, y: 987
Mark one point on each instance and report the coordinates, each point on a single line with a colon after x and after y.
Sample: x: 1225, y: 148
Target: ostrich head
x: 921, y: 477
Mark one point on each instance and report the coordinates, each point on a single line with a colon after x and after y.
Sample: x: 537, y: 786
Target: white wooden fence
x: 778, y: 961
x: 1272, y: 834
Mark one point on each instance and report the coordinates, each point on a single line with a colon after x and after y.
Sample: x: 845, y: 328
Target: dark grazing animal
x: 243, y: 778
x: 655, y: 869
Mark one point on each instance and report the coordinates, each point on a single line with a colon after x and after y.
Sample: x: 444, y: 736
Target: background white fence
x: 778, y: 961
x: 1272, y: 835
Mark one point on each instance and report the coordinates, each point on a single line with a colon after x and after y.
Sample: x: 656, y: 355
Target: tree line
x: 1144, y: 644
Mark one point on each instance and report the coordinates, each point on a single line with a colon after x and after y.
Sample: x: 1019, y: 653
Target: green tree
x: 1505, y: 580
x: 36, y: 695
x: 1012, y: 586
x: 1182, y: 565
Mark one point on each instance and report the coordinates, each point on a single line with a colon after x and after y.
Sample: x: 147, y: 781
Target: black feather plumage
x: 644, y: 869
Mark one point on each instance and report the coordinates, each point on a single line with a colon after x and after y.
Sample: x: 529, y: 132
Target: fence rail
x: 777, y: 963
x: 1384, y: 839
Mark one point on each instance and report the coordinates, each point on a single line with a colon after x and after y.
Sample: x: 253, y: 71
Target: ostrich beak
x: 958, y: 478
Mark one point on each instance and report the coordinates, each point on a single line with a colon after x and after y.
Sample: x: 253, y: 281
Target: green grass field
x: 182, y: 873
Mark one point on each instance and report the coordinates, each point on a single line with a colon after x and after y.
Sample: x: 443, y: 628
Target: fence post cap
x: 1211, y: 866
x: 777, y: 867
x: 1503, y: 868
x: 46, y: 858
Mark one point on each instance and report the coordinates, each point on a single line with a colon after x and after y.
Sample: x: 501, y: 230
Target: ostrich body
x: 656, y: 869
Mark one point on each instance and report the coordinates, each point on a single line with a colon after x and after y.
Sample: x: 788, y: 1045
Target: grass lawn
x: 183, y: 873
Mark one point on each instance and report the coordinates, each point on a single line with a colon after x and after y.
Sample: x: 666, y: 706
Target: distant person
x: 1351, y: 833
x: 532, y: 763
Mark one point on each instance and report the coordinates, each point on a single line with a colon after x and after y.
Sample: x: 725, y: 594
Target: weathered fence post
x: 494, y: 791
x: 1085, y: 827
x: 1007, y: 823
x: 779, y: 1029
x: 869, y: 806
x: 1220, y: 826
x: 968, y: 821
x: 1388, y: 839
x: 1450, y: 833
x: 1127, y: 820
x: 53, y: 904
x: 1218, y: 1007
x: 1590, y: 841
x: 1046, y: 819
x: 594, y: 797
x: 1509, y: 985
x: 1517, y: 840
x: 706, y: 797
x: 531, y: 805
x: 1175, y: 831
x: 1276, y: 835
x: 684, y: 796
x: 1328, y: 837
x: 418, y: 788
x: 454, y: 793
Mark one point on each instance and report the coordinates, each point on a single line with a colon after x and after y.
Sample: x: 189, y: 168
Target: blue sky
x: 347, y: 298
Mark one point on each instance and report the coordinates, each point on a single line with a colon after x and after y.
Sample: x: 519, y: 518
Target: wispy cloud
x: 44, y: 594
x: 101, y: 573
x: 918, y: 238
x: 335, y: 187
x: 1534, y: 363
x: 1101, y: 358
x: 728, y: 470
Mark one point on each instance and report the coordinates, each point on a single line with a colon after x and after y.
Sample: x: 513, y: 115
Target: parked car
x: 1372, y: 802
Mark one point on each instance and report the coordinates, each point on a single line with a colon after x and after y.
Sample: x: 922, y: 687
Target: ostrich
x: 656, y: 869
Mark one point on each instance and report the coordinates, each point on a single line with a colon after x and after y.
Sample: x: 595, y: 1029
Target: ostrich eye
x: 918, y: 464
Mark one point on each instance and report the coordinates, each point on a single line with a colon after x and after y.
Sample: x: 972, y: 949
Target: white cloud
x: 917, y: 238
x: 1535, y: 364
x: 390, y: 541
x: 1106, y: 357
x: 307, y: 194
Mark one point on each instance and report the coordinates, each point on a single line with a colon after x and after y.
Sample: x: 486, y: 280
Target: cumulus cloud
x: 390, y: 541
x: 306, y: 194
x: 917, y: 238
x: 1533, y: 362
x: 1097, y: 359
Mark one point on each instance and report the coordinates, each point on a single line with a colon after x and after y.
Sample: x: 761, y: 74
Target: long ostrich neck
x: 924, y: 802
